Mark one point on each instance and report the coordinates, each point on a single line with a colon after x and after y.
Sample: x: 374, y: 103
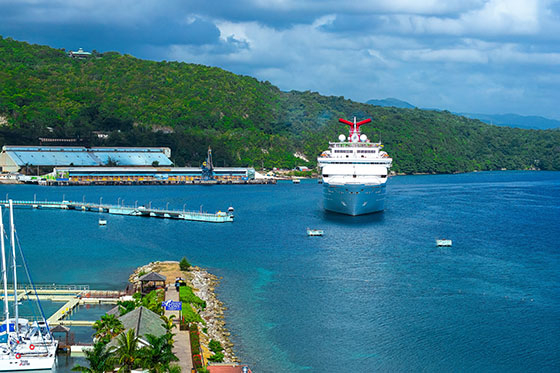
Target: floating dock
x: 218, y: 217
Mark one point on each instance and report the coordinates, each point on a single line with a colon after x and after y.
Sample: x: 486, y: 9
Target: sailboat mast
x: 13, y: 242
x: 4, y: 274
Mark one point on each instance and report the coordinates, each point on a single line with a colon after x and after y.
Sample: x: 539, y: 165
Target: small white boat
x: 102, y: 222
x: 444, y: 243
x: 314, y: 232
x: 295, y: 181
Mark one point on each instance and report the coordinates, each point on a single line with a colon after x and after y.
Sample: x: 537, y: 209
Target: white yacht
x: 354, y: 173
x: 23, y: 345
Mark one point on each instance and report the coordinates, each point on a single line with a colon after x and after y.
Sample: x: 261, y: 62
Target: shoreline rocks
x: 204, y: 285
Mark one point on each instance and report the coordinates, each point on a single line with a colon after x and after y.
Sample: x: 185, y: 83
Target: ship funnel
x: 354, y: 128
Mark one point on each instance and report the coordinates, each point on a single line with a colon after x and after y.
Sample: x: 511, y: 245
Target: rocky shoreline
x: 203, y: 284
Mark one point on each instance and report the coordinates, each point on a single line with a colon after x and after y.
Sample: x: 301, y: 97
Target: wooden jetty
x: 71, y: 295
x: 218, y: 217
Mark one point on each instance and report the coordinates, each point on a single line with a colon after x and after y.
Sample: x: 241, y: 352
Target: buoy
x: 18, y: 356
x: 31, y: 347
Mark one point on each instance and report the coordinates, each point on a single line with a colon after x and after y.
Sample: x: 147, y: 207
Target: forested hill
x: 188, y: 107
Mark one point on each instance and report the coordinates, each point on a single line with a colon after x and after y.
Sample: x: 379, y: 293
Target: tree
x: 184, y: 264
x: 157, y: 356
x: 152, y: 301
x: 125, y: 306
x: 127, y: 351
x: 107, y: 328
x: 168, y: 323
x: 100, y: 360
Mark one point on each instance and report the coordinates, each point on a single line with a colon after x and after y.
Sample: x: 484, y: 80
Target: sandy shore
x: 203, y: 284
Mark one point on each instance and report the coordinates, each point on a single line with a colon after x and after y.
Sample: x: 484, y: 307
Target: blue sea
x: 372, y: 294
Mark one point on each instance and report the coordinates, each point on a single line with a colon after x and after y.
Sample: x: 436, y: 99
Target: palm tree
x: 168, y: 323
x: 100, y: 360
x: 107, y: 328
x: 127, y: 351
x: 158, y: 354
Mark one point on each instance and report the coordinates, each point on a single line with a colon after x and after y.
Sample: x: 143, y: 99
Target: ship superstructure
x: 354, y: 173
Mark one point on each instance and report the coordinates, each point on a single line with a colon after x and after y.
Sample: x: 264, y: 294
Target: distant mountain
x: 504, y: 120
x: 395, y: 102
x: 514, y: 120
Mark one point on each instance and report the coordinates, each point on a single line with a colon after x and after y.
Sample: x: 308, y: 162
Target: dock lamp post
x: 184, y: 204
x: 136, y: 204
x: 119, y: 201
x: 100, y: 200
x: 150, y: 205
x: 167, y: 206
x: 122, y: 202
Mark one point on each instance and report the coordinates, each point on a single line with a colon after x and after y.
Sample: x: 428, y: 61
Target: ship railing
x: 355, y: 144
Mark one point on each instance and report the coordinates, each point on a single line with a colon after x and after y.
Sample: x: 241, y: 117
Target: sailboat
x: 23, y: 345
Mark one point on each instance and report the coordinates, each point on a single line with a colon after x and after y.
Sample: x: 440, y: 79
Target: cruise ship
x: 354, y: 173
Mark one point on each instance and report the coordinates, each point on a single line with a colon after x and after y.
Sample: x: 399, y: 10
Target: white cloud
x: 495, y: 17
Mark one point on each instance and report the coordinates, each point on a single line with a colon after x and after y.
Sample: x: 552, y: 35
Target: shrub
x: 215, y: 346
x: 125, y: 306
x: 186, y: 295
x: 218, y: 357
x: 184, y: 264
x: 195, y: 346
x: 189, y: 315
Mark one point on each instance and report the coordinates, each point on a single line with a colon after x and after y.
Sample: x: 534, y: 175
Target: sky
x: 477, y: 56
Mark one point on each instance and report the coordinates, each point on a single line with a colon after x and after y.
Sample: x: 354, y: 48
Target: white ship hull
x: 27, y: 363
x: 354, y: 199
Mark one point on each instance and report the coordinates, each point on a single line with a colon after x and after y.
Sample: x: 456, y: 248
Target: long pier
x: 218, y: 217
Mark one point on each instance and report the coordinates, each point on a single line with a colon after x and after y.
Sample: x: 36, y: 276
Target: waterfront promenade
x: 181, y: 339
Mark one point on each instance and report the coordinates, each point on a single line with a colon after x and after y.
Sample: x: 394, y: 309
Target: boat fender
x: 18, y: 356
x: 31, y: 347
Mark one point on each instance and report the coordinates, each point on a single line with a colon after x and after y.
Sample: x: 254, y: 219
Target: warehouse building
x: 22, y: 158
x: 86, y: 175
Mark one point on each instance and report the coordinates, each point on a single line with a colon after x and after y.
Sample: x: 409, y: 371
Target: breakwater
x: 203, y: 284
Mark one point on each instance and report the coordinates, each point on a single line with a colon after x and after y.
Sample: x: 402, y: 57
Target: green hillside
x: 188, y: 107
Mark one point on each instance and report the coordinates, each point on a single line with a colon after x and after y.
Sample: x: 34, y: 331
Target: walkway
x: 182, y: 341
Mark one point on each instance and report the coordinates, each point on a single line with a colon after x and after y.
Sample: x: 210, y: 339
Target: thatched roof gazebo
x: 151, y: 281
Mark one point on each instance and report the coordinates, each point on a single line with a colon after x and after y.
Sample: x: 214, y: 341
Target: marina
x: 142, y: 211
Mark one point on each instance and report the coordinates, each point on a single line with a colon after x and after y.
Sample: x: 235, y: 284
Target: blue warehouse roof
x: 81, y: 156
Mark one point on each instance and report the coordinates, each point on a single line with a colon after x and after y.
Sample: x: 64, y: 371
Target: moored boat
x: 444, y: 243
x: 24, y: 345
x: 314, y: 232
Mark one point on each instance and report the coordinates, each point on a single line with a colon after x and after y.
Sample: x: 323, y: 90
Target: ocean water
x: 372, y: 294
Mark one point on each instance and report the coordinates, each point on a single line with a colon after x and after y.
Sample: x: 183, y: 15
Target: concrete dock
x: 142, y: 211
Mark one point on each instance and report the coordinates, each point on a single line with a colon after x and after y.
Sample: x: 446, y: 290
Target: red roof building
x: 228, y: 368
